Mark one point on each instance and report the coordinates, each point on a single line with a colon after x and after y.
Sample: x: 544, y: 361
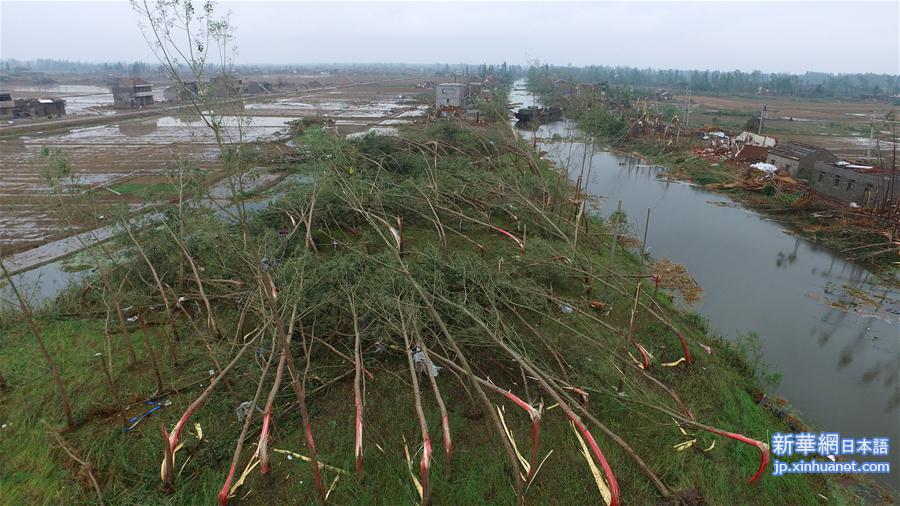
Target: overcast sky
x: 771, y: 36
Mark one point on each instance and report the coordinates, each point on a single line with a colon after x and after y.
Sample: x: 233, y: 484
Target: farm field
x: 139, y: 153
x: 842, y: 127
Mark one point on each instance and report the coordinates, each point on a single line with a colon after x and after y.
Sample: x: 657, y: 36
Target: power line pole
x: 762, y: 114
x: 871, y: 137
x: 687, y: 119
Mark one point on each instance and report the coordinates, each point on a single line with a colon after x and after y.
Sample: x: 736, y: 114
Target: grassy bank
x: 461, y: 241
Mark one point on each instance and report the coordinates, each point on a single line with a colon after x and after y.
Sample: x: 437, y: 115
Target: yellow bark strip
x: 598, y: 478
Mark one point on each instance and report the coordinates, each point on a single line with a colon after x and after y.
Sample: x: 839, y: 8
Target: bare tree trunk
x: 132, y: 358
x: 54, y: 370
x: 159, y: 286
x: 151, y: 354
x: 113, y: 389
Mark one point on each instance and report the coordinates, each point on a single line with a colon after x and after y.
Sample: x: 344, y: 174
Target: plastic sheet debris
x: 765, y: 167
x: 601, y: 307
x: 155, y: 406
x: 566, y: 309
x: 270, y: 263
x: 243, y: 410
x: 422, y: 364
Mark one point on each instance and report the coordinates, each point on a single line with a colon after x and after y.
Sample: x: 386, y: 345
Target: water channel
x: 839, y: 356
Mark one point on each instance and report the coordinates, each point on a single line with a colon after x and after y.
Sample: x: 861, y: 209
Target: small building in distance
x: 7, y: 106
x: 798, y: 158
x: 863, y: 185
x: 591, y: 90
x: 662, y: 95
x: 450, y: 94
x: 39, y: 108
x: 182, y: 92
x: 130, y: 93
x: 225, y: 87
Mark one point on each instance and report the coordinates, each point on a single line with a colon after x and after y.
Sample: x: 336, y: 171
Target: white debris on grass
x: 376, y: 131
x: 765, y: 167
x: 421, y: 363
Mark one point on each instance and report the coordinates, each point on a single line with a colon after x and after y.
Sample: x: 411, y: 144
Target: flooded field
x: 81, y: 99
x: 820, y: 321
x: 139, y: 152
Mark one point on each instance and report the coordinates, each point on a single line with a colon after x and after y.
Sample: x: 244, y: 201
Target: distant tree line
x: 10, y: 65
x: 809, y: 85
x: 138, y: 68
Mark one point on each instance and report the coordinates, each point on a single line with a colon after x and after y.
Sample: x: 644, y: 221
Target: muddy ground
x: 132, y: 156
x: 842, y: 127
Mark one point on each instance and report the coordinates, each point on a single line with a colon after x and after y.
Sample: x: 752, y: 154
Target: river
x: 839, y: 366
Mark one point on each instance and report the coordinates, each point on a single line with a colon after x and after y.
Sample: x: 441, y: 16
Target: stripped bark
x: 358, y: 396
x: 263, y: 448
x: 236, y: 457
x: 168, y: 469
x: 445, y: 419
x: 425, y: 463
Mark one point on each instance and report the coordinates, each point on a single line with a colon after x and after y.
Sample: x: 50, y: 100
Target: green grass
x: 146, y: 190
x: 718, y: 388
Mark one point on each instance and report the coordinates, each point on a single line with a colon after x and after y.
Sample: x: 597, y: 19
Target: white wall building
x: 452, y: 94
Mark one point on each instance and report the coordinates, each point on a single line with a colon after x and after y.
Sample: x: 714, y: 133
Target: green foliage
x: 452, y: 188
x: 602, y: 122
x: 146, y: 191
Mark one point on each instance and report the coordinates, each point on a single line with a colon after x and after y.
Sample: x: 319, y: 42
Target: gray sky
x: 770, y: 36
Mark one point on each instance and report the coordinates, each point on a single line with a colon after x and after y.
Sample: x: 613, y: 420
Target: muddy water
x: 839, y: 366
x: 80, y: 99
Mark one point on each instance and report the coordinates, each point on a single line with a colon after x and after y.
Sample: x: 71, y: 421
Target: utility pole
x: 687, y: 114
x: 871, y: 137
x: 762, y: 114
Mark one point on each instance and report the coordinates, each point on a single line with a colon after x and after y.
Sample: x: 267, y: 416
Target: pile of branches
x: 453, y: 249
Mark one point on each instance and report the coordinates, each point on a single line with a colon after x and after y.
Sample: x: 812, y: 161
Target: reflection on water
x: 39, y: 284
x: 138, y: 128
x: 784, y: 258
x: 166, y: 130
x: 836, y: 343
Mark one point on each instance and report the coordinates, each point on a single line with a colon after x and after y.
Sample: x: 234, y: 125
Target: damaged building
x: 132, y: 93
x: 864, y: 185
x: 797, y: 158
x: 7, y: 106
x: 182, y: 92
x: 31, y: 107
x: 225, y: 87
x: 746, y: 138
x: 258, y: 87
x: 752, y: 154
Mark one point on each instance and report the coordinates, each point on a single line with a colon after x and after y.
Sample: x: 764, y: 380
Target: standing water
x: 837, y: 348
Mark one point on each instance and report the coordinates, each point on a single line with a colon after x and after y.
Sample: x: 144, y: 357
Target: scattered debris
x: 676, y: 277
x: 155, y: 406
